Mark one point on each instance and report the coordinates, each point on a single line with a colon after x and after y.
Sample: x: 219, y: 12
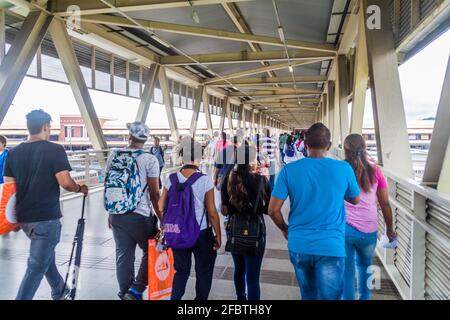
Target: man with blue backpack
x: 131, y: 199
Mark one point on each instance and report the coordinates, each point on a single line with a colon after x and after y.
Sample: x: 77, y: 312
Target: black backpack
x: 246, y: 230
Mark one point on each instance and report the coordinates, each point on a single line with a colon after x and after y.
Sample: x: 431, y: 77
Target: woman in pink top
x: 362, y: 225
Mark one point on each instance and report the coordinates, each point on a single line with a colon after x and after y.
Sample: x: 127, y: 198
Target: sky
x: 421, y: 81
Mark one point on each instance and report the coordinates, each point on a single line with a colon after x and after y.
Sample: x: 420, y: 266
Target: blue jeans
x: 246, y: 274
x: 205, y: 258
x: 319, y: 277
x: 363, y: 246
x: 44, y: 236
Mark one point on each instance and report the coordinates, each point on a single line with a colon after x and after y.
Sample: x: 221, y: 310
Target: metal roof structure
x: 242, y: 49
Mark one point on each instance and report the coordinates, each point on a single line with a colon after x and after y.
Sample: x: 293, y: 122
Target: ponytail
x: 356, y: 155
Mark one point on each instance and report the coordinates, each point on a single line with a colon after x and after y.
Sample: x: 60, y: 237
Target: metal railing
x: 92, y: 164
x: 420, y: 265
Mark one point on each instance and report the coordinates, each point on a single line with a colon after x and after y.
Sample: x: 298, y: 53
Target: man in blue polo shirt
x: 316, y: 187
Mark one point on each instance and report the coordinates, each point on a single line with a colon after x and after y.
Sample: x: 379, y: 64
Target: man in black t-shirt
x: 39, y: 168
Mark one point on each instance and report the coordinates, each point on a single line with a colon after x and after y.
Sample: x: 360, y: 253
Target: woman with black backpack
x: 245, y: 199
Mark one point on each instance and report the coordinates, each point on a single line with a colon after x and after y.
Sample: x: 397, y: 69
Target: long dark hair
x: 356, y: 155
x: 240, y: 179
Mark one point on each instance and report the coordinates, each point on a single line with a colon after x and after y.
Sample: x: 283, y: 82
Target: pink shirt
x: 363, y: 216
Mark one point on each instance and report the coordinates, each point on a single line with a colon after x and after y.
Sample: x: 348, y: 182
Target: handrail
x: 422, y: 206
x: 72, y: 195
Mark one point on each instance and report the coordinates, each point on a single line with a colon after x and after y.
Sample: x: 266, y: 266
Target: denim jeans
x: 205, y: 258
x: 246, y: 274
x: 319, y: 277
x: 362, y: 245
x: 44, y: 236
x: 130, y: 230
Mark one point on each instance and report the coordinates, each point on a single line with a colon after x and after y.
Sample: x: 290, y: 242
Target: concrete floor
x: 97, y: 275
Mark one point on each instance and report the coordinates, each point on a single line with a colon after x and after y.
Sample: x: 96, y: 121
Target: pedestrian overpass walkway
x: 97, y: 274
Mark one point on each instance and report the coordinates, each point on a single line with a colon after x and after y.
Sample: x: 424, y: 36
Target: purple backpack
x: 181, y: 229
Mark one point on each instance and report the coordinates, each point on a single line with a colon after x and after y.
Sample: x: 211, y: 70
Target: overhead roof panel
x: 304, y: 20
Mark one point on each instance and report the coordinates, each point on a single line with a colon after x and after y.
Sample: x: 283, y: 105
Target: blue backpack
x: 290, y: 150
x: 181, y: 229
x: 123, y: 190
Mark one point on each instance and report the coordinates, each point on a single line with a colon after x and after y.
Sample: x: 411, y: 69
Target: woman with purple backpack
x: 190, y: 222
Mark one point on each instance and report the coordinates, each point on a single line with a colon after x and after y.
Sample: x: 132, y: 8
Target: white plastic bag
x: 386, y: 244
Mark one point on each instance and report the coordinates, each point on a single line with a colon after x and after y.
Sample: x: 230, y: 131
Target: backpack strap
x: 258, y: 197
x: 174, y: 180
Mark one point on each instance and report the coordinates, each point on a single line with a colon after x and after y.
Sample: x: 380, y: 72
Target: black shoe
x: 132, y: 295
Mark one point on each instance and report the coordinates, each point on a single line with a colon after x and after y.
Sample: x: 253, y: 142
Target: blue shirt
x: 316, y: 188
x: 2, y: 163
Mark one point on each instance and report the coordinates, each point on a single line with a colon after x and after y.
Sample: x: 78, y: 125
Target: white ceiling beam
x: 249, y: 72
x: 88, y: 7
x: 243, y: 56
x: 243, y: 82
x: 207, y: 32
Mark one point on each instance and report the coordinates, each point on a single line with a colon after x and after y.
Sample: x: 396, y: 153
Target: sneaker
x: 66, y: 295
x: 132, y: 294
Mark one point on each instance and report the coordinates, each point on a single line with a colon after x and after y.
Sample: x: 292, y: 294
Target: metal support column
x: 389, y: 112
x: 19, y: 58
x: 253, y: 121
x: 343, y: 96
x: 243, y: 119
x: 147, y: 95
x: 361, y: 77
x: 77, y: 83
x: 223, y: 114
x: 205, y: 99
x: 438, y: 164
x: 333, y: 119
x: 2, y: 35
x: 168, y: 103
x: 196, y: 111
x: 230, y: 118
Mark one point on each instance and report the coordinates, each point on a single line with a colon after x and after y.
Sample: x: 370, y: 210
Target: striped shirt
x: 268, y: 147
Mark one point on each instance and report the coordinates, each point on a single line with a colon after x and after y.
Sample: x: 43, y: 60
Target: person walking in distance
x: 316, y: 187
x: 158, y: 152
x: 39, y: 168
x: 362, y: 219
x: 135, y: 226
x: 3, y: 154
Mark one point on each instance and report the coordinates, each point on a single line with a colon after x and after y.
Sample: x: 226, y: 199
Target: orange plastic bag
x: 8, y: 220
x: 160, y: 272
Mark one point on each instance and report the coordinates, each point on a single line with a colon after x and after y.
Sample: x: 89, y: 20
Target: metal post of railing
x: 87, y: 173
x: 418, y: 239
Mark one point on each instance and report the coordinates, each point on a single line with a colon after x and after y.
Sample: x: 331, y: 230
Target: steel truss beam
x: 249, y: 72
x: 207, y: 32
x: 274, y: 93
x: 438, y: 161
x: 80, y: 91
x: 87, y: 7
x: 168, y: 103
x: 360, y: 79
x: 240, y: 23
x: 18, y: 60
x: 245, y: 82
x: 147, y: 95
x: 389, y: 112
x: 196, y: 110
x: 243, y: 56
